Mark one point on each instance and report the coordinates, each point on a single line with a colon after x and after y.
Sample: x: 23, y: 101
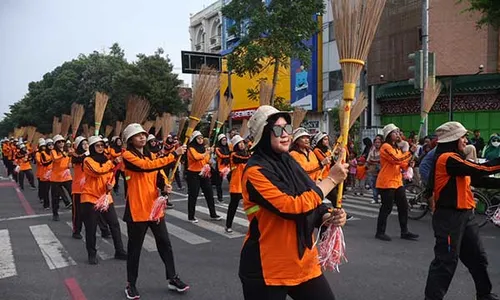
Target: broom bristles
x: 431, y: 93
x: 65, y: 124
x: 357, y: 108
x: 298, y: 116
x: 166, y: 125
x: 137, y: 110
x: 77, y: 112
x: 224, y: 111
x: 101, y: 100
x: 92, y: 131
x: 55, y: 121
x: 108, y: 130
x: 36, y: 137
x: 265, y: 90
x: 85, y: 129
x: 147, y: 125
x: 182, y: 124
x: 158, y: 123
x: 118, y: 128
x: 244, y: 128
x: 212, y: 123
x: 204, y: 92
x: 30, y: 132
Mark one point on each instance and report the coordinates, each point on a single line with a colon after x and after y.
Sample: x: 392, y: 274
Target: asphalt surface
x: 207, y: 258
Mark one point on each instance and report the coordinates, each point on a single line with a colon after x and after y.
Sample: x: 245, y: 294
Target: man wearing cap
x: 455, y: 230
x: 390, y: 183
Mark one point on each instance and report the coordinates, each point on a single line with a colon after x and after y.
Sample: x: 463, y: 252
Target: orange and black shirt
x: 283, y: 206
x: 238, y: 163
x: 97, y: 176
x: 392, y: 161
x: 453, y: 180
x: 196, y: 160
x: 38, y: 161
x: 309, y: 162
x: 79, y: 179
x: 22, y: 160
x: 141, y: 176
x: 46, y: 161
x: 60, y: 167
x: 321, y: 156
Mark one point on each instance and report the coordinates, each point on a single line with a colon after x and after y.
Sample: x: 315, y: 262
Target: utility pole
x: 425, y: 56
x: 229, y: 95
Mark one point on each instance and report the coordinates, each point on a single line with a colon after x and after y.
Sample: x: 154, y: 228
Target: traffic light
x: 416, y: 69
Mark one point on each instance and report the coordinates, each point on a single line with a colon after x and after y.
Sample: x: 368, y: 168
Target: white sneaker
x: 229, y: 230
x: 193, y: 220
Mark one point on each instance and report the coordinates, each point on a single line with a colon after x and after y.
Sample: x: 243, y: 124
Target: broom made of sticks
x: 212, y: 123
x: 101, y: 100
x: 30, y: 132
x: 265, y: 93
x: 244, y: 128
x: 158, y: 123
x: 107, y: 131
x: 166, y: 125
x: 204, y: 91
x: 182, y: 124
x: 36, y: 137
x: 148, y: 125
x: 431, y: 93
x: 77, y: 112
x: 356, y: 23
x: 55, y: 126
x: 118, y: 128
x: 222, y: 114
x: 92, y: 130
x: 65, y: 124
x: 137, y: 110
x: 85, y: 129
x: 298, y: 116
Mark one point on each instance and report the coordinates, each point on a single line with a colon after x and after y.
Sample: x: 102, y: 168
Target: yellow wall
x: 239, y: 86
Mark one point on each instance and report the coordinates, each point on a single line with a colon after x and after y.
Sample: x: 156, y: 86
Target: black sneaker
x: 69, y: 204
x: 170, y: 205
x: 33, y: 187
x: 106, y: 235
x: 220, y: 200
x: 349, y: 217
x: 383, y: 237
x: 490, y: 296
x: 122, y: 255
x: 77, y: 236
x: 93, y: 260
x: 216, y: 218
x: 409, y: 236
x: 55, y: 218
x: 176, y: 284
x: 132, y: 292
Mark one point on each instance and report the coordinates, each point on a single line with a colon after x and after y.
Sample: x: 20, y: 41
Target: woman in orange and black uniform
x: 169, y: 147
x: 305, y: 157
x: 23, y: 161
x: 283, y: 206
x: 115, y: 151
x: 455, y: 229
x: 141, y: 168
x: 60, y: 177
x: 39, y: 168
x: 239, y: 158
x: 197, y: 157
x: 223, y: 156
x: 81, y: 152
x: 99, y: 179
x: 321, y: 148
x: 46, y: 161
x: 390, y: 183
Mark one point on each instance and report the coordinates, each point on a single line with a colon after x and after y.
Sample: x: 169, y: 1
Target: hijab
x: 491, y: 152
x: 98, y: 157
x: 224, y: 149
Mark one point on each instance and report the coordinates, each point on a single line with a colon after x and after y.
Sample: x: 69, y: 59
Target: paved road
x: 40, y: 260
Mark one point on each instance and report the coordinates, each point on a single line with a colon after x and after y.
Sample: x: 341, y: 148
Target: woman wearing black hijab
x: 223, y: 161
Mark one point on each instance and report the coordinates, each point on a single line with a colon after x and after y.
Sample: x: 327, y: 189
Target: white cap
x: 41, y: 141
x: 388, y: 129
x: 236, y: 139
x: 78, y: 141
x: 131, y: 130
x: 58, y: 138
x: 299, y: 132
x: 450, y: 131
x: 105, y: 140
x: 258, y: 121
x: 94, y: 139
x: 221, y: 136
x: 49, y: 141
x: 317, y: 138
x: 151, y: 137
x: 195, y: 134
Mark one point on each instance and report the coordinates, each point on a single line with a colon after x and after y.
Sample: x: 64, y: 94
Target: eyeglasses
x: 100, y: 145
x: 278, y: 130
x: 495, y: 140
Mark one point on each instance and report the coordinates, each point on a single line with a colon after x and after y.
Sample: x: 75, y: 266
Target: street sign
x: 192, y: 61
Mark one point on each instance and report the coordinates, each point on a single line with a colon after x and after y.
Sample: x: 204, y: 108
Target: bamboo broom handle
x: 217, y: 130
x: 189, y: 132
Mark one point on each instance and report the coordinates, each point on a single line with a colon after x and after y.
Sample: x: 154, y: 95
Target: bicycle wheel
x: 482, y: 206
x: 418, y: 206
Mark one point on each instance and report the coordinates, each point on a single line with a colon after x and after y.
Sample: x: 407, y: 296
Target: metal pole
x: 229, y: 95
x: 425, y: 50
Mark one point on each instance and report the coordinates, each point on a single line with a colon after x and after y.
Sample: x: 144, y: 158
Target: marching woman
x: 283, y: 205
x: 239, y: 158
x: 223, y: 156
x: 170, y: 145
x: 81, y: 151
x: 39, y: 168
x: 455, y: 229
x: 305, y: 157
x: 390, y: 183
x: 321, y: 148
x: 141, y: 168
x: 115, y: 151
x: 23, y: 161
x: 46, y: 170
x: 60, y: 177
x: 197, y: 157
x: 99, y: 179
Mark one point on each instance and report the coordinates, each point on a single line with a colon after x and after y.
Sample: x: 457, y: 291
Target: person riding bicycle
x: 455, y: 229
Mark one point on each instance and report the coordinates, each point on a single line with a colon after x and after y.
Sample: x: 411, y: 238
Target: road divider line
x: 185, y: 235
x: 74, y: 289
x: 149, y: 242
x: 26, y: 205
x: 53, y: 251
x: 103, y: 255
x: 7, y: 263
x: 210, y: 226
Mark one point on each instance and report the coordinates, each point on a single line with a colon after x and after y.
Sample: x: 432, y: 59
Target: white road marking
x: 103, y: 255
x: 204, y: 224
x: 149, y: 242
x: 7, y: 264
x: 53, y: 251
x: 185, y: 235
x: 237, y: 220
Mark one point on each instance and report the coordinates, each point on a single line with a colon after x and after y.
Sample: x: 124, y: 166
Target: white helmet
x: 195, y: 134
x: 58, y: 138
x: 41, y: 140
x: 49, y: 141
x: 220, y: 137
x: 236, y: 139
x: 78, y: 141
x: 94, y: 139
x: 131, y: 130
x: 105, y: 140
x: 151, y: 137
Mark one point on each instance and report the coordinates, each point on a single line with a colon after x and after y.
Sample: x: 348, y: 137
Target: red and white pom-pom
x: 102, y: 203
x: 408, y: 175
x: 496, y: 217
x: 158, y: 208
x: 332, y: 249
x: 66, y: 173
x: 17, y: 169
x: 224, y: 172
x: 47, y: 175
x: 82, y: 182
x: 205, y: 171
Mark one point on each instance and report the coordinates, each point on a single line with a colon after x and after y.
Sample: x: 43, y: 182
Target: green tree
x: 489, y: 9
x: 270, y: 34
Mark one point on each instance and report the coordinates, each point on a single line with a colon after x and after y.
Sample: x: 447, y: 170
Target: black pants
x: 177, y: 176
x: 195, y: 182
x: 117, y: 180
x: 316, y: 288
x: 457, y: 237
x: 39, y: 190
x: 233, y: 206
x: 44, y: 188
x: 136, y: 232
x: 217, y: 181
x: 90, y: 219
x: 10, y: 167
x: 76, y: 211
x: 389, y: 196
x: 29, y: 175
x: 56, y: 192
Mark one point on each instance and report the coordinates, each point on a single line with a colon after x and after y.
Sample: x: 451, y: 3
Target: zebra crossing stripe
x: 7, y: 264
x: 226, y: 206
x: 149, y: 242
x: 237, y: 220
x: 103, y: 255
x: 364, y: 208
x: 185, y: 235
x: 204, y: 224
x: 53, y: 251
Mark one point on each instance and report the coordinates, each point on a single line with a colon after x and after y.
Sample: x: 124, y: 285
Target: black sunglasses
x: 278, y: 130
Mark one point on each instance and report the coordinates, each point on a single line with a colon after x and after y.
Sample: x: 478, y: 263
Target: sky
x: 38, y: 35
